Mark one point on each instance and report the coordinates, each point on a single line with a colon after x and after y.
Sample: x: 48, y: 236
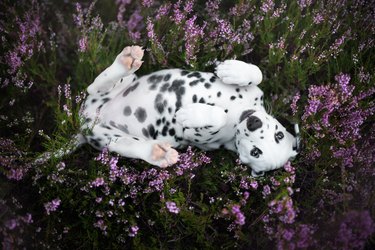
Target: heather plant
x: 317, y: 59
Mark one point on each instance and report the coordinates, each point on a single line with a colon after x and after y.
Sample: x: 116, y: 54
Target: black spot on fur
x: 87, y: 120
x: 106, y: 127
x: 240, y: 96
x: 202, y: 100
x: 226, y: 111
x: 172, y: 132
x: 218, y: 94
x: 197, y: 134
x: 237, y: 89
x: 140, y: 114
x: 145, y: 133
x: 135, y: 138
x: 184, y: 72
x: 196, y: 140
x: 232, y: 97
x: 164, y: 87
x: 93, y: 100
x: 246, y: 114
x: 207, y: 85
x: 153, y: 87
x: 130, y: 89
x: 158, y: 122
x: 164, y: 131
x: 151, y: 131
x: 194, y: 74
x: 178, y: 138
x: 155, y: 79
x: 193, y: 83
x: 167, y: 77
x: 195, y: 99
x: 178, y: 87
x: 214, y: 133
x: 106, y: 100
x: 213, y: 79
x: 170, y: 110
x: 123, y: 128
x: 159, y: 103
x: 173, y: 120
x: 256, y: 98
x: 127, y: 111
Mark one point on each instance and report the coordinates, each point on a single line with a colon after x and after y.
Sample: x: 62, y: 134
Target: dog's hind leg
x: 125, y: 64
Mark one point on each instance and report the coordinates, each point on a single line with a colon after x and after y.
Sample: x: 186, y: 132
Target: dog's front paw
x: 164, y: 155
x: 238, y: 73
x: 131, y: 57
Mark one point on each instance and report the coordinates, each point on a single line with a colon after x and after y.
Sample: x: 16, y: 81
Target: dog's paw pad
x: 164, y: 155
x: 131, y: 57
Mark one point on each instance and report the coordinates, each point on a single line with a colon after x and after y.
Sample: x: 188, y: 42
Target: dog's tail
x: 69, y: 148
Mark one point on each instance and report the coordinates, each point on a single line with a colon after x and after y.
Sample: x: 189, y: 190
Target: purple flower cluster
x: 22, y: 46
x: 190, y: 160
x: 284, y: 209
x: 240, y: 217
x: 193, y: 33
x: 52, y: 205
x: 337, y: 103
x: 12, y: 160
x: 354, y: 229
x: 172, y: 207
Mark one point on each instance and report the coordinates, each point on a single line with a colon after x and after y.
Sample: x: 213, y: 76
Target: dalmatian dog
x: 148, y: 117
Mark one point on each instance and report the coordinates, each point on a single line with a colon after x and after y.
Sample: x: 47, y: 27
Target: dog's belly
x: 147, y: 107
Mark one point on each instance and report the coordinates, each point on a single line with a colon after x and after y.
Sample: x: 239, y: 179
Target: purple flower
x: 354, y: 230
x: 172, y: 207
x: 240, y: 217
x: 133, y: 231
x: 82, y: 44
x: 266, y: 190
x: 304, y: 3
x: 52, y: 205
x: 267, y: 6
x: 147, y: 3
x: 192, y: 34
x: 293, y: 105
x: 178, y: 15
x: 343, y: 82
x: 135, y: 21
x: 97, y: 182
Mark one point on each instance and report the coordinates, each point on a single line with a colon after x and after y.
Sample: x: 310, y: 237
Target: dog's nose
x: 253, y: 123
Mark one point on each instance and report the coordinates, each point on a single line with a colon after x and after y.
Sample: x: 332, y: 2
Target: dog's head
x: 263, y: 143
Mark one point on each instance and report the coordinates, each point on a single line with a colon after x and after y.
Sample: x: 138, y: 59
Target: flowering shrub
x: 317, y: 59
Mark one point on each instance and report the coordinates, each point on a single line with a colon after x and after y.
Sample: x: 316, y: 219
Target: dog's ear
x: 246, y: 114
x: 293, y: 129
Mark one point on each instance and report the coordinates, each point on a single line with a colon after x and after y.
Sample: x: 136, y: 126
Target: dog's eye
x: 256, y: 152
x: 279, y: 136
